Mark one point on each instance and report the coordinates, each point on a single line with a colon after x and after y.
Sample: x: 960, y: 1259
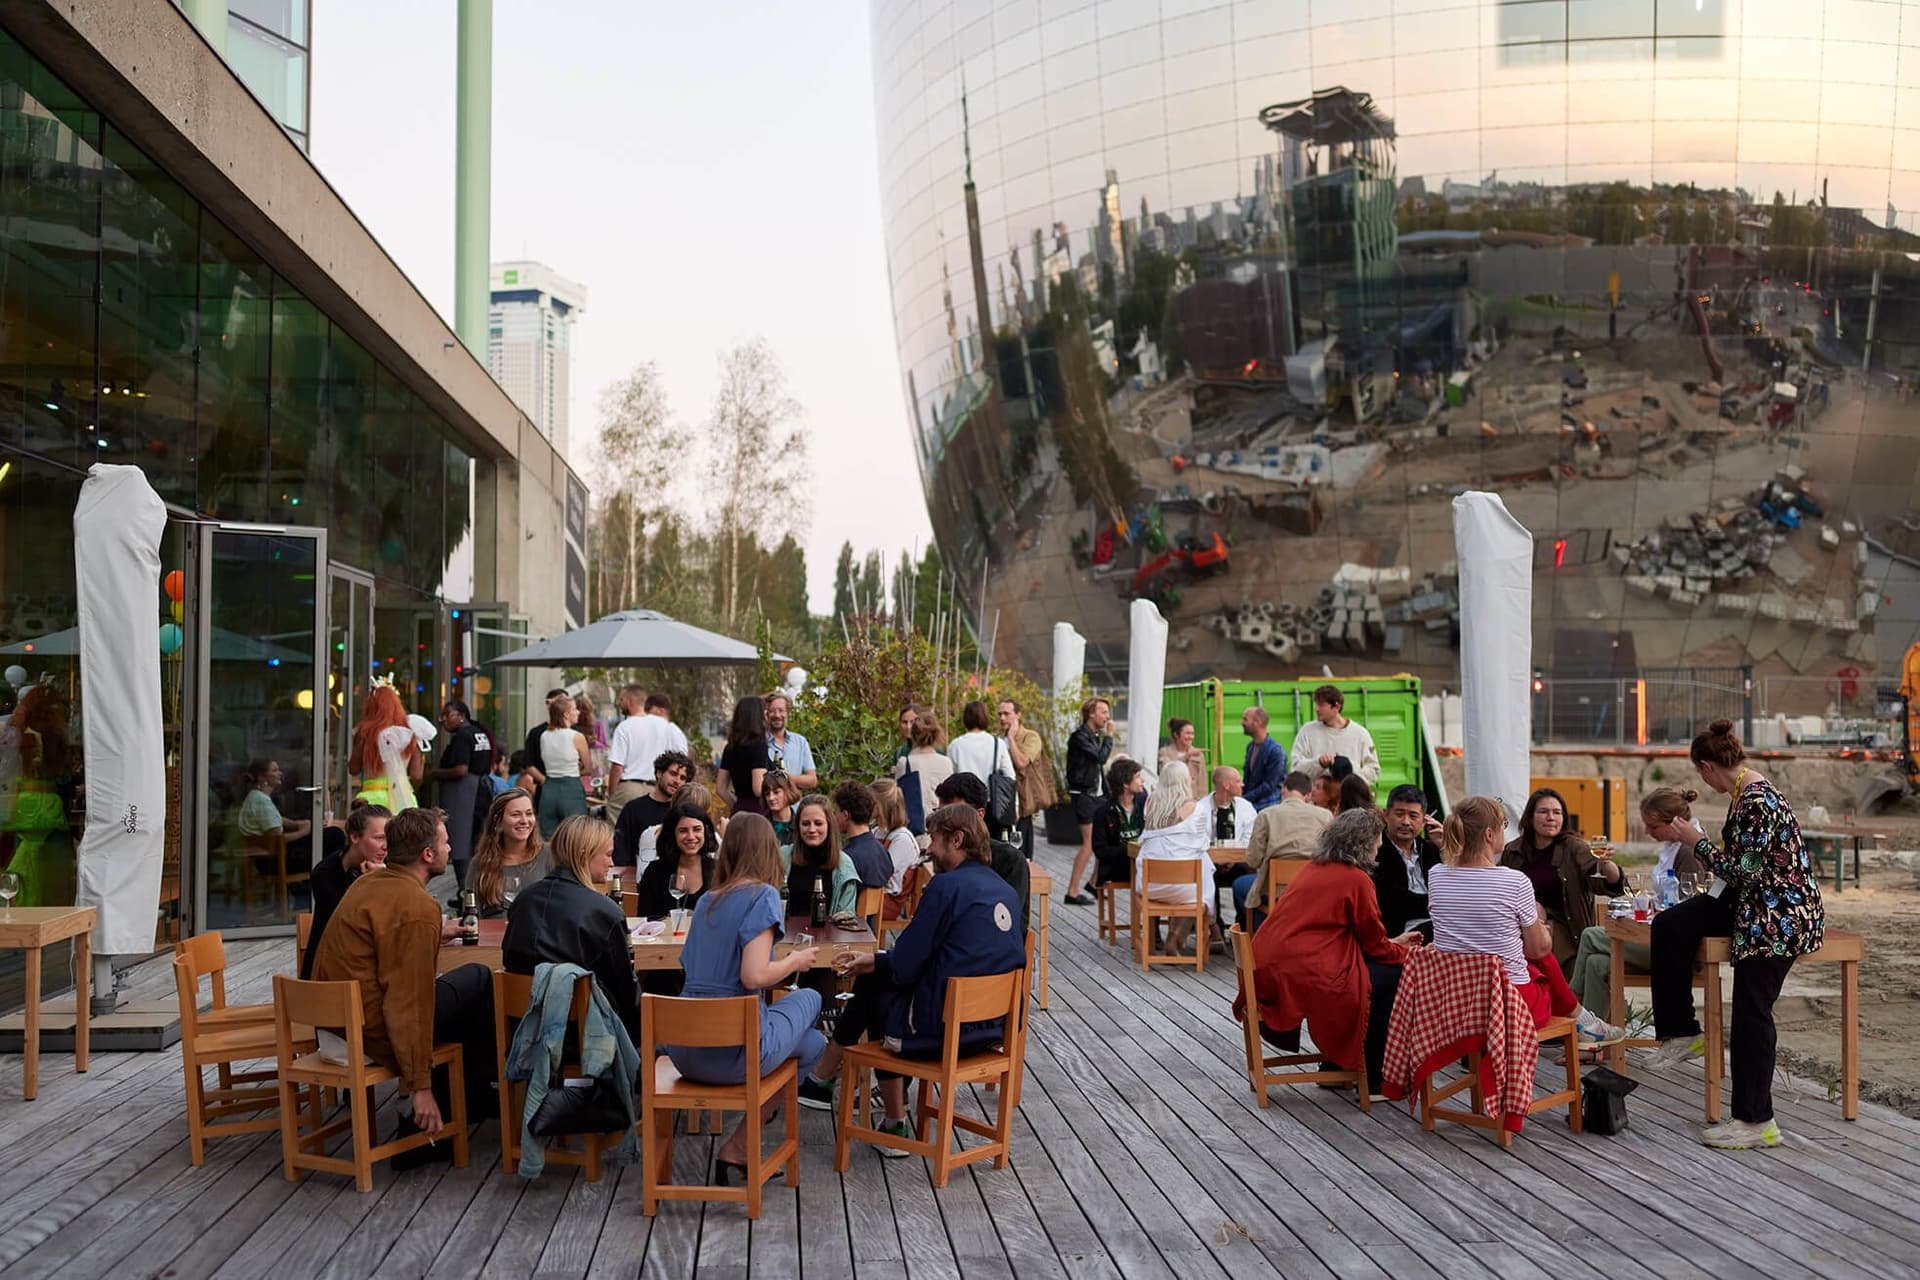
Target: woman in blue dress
x: 729, y: 952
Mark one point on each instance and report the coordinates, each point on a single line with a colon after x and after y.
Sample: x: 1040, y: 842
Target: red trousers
x: 1547, y: 995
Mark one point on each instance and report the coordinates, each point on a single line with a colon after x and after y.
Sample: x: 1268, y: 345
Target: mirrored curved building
x: 1220, y: 304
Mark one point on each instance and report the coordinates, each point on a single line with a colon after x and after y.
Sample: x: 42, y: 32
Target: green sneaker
x: 1742, y: 1135
x: 897, y: 1129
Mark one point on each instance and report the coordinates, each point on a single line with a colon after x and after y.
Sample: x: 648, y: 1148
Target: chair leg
x: 289, y: 1124
x: 790, y: 1129
x: 756, y: 1158
x: 843, y: 1104
x: 651, y: 1153
x: 362, y: 1141
x: 1003, y: 1122
x: 943, y: 1152
x: 1426, y: 1104
x: 196, y: 1112
x: 457, y: 1087
x: 1202, y: 942
x: 1576, y: 1117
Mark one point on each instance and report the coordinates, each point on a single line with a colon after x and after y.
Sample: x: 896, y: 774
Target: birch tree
x: 637, y: 434
x: 757, y: 459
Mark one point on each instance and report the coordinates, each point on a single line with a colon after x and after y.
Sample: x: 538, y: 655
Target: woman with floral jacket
x: 1766, y: 898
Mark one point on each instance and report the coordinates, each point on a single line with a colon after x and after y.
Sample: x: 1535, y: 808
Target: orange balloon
x: 175, y: 583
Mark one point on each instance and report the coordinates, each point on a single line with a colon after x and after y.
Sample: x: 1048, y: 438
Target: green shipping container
x: 1389, y: 706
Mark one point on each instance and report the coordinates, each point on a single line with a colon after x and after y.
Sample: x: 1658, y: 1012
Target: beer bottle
x: 469, y: 919
x: 613, y: 890
x: 819, y: 901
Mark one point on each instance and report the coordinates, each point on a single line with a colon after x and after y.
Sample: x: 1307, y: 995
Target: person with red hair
x: 384, y: 775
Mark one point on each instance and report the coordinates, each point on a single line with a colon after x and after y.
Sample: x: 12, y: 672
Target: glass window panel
x: 1129, y: 48
x: 147, y: 322
x: 1069, y: 32
x: 235, y: 328
x: 284, y: 18
x: 1126, y: 15
x: 1352, y: 41
x: 1210, y: 29
x: 426, y: 506
x: 1530, y: 22
x: 458, y: 534
x: 1697, y: 17
x: 351, y: 390
x: 1432, y: 31
x: 1203, y: 107
x: 1860, y: 19
x: 275, y: 72
x: 1701, y: 99
x: 298, y: 479
x: 1609, y: 19
x: 50, y: 192
x: 1202, y: 70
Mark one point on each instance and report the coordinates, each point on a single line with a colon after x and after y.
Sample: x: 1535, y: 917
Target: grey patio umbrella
x: 636, y: 638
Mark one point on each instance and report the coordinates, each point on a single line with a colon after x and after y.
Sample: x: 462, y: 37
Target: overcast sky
x: 706, y: 171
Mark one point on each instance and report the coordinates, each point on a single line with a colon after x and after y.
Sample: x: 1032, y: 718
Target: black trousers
x: 1385, y: 982
x: 1025, y: 828
x: 1752, y: 1042
x: 463, y: 1011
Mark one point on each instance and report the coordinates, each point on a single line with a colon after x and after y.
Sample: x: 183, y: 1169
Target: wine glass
x: 678, y: 889
x: 10, y: 886
x: 842, y: 963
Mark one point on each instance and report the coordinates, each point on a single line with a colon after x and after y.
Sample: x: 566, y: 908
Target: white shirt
x: 1186, y: 841
x: 1482, y: 910
x: 1243, y: 816
x: 640, y: 740
x: 1354, y: 742
x: 980, y: 754
x: 1416, y: 880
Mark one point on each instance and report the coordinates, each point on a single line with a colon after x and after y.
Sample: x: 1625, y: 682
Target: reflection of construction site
x: 1651, y: 410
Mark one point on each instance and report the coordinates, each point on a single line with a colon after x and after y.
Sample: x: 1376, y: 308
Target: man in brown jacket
x: 1032, y: 770
x: 386, y: 936
x: 1290, y: 829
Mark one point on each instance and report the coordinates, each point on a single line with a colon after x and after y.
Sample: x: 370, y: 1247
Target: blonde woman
x: 562, y: 919
x: 508, y: 856
x: 890, y: 824
x: 729, y: 952
x: 1176, y: 830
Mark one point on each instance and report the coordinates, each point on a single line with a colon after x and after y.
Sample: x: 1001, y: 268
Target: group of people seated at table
x: 381, y: 928
x: 1329, y: 953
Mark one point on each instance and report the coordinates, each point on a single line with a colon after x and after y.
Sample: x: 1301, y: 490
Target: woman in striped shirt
x: 1482, y: 907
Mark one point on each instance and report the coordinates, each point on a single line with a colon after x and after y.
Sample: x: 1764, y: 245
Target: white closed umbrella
x: 636, y: 638
x: 1496, y: 648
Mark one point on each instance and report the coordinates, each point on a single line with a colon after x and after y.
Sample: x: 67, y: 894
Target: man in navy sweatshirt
x: 1266, y: 761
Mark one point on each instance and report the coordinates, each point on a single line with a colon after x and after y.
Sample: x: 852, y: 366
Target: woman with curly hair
x: 383, y: 764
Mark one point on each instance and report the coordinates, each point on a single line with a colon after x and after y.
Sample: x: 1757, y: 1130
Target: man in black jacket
x: 1406, y: 855
x: 1087, y: 752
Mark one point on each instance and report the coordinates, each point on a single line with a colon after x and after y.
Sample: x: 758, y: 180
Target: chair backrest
x: 1242, y: 944
x: 993, y: 995
x: 204, y: 955
x: 1191, y: 871
x: 695, y: 1023
x: 302, y: 939
x: 869, y: 904
x: 512, y: 993
x: 327, y: 1006
x: 1280, y: 874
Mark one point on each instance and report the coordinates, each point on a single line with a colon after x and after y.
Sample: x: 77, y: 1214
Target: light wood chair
x: 1003, y: 996
x: 912, y: 885
x: 1107, y: 899
x: 870, y: 904
x: 212, y: 1113
x: 206, y: 957
x: 511, y: 993
x: 731, y: 1022
x: 302, y: 940
x: 304, y: 1130
x: 1147, y: 912
x: 1258, y: 1060
x: 1280, y: 874
x: 270, y: 847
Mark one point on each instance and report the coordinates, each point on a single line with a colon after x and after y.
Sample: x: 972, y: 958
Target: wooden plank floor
x: 1140, y: 1152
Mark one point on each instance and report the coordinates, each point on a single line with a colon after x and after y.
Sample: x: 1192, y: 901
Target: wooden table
x: 1838, y: 946
x: 649, y: 956
x: 33, y: 929
x: 1040, y: 890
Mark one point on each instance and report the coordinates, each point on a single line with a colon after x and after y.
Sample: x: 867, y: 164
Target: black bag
x: 911, y: 797
x: 592, y: 1106
x: 1603, y: 1101
x: 1003, y: 796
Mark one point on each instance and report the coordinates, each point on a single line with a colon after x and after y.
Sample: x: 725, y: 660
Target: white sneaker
x: 1672, y: 1052
x: 1741, y: 1135
x: 1595, y: 1031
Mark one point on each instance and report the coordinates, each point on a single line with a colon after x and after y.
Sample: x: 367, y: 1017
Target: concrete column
x: 473, y: 173
x: 210, y: 16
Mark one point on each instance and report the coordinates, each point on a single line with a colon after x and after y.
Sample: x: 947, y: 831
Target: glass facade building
x: 323, y: 517
x: 1294, y: 273
x: 270, y: 47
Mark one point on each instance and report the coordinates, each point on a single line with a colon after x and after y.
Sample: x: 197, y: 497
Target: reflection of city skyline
x: 1301, y: 314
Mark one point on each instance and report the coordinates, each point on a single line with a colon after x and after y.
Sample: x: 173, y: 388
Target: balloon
x: 171, y: 638
x: 16, y: 676
x: 178, y: 611
x: 175, y: 583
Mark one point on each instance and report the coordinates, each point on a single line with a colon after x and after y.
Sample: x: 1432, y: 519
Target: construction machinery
x: 1191, y: 556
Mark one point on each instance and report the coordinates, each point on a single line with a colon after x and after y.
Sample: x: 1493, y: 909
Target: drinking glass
x: 678, y: 889
x: 842, y: 961
x: 10, y: 886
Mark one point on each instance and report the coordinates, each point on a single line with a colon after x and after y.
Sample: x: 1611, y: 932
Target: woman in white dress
x: 1176, y: 831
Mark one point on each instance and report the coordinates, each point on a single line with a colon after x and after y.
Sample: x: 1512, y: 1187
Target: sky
x: 706, y: 171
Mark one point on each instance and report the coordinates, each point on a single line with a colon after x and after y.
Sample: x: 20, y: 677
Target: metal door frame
x: 354, y: 578
x: 199, y: 677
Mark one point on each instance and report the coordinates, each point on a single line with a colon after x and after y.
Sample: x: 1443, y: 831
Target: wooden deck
x: 1139, y: 1152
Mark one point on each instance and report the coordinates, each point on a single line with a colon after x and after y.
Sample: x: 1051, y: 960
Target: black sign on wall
x: 576, y: 587
x: 576, y: 512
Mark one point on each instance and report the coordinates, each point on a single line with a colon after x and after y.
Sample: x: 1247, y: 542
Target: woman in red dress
x: 1323, y: 957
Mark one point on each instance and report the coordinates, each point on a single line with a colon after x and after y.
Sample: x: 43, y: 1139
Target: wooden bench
x: 1843, y: 947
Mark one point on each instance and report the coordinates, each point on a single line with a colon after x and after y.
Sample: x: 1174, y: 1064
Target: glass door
x: 350, y: 670
x: 260, y: 720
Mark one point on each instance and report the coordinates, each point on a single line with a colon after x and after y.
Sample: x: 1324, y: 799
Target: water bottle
x: 1669, y: 890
